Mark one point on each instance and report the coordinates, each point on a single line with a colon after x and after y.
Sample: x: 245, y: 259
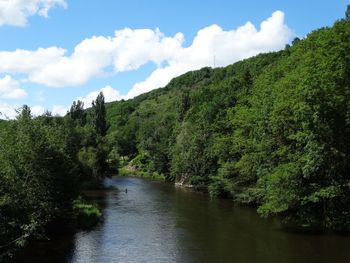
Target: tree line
x: 272, y: 131
x: 44, y: 161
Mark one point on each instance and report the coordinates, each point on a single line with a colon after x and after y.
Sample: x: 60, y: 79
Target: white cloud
x: 213, y: 46
x: 109, y: 93
x: 10, y: 89
x: 133, y: 48
x: 129, y: 49
x: 16, y: 12
x: 7, y: 111
x: 37, y: 110
x: 59, y: 110
x: 89, y: 59
x: 28, y: 62
x: 159, y: 78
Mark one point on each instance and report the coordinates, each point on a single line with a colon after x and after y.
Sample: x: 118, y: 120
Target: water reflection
x: 154, y: 222
x: 138, y: 227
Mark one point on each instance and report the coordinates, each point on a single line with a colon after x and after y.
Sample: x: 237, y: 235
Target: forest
x: 44, y: 163
x: 272, y: 131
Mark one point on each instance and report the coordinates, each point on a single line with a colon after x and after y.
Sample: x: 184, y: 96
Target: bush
x: 87, y: 215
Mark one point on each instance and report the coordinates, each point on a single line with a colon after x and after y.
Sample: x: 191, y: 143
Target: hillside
x: 272, y: 130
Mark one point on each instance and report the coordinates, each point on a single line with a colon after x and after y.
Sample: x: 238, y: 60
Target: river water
x: 156, y: 222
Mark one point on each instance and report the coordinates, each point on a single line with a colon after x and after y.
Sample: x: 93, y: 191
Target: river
x: 156, y: 222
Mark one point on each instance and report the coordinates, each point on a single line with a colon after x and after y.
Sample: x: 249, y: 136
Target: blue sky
x: 47, y: 62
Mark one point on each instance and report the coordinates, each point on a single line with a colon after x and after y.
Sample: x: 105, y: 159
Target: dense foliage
x: 43, y: 162
x: 273, y: 130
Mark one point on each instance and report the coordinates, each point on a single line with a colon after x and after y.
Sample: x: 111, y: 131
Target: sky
x: 53, y: 52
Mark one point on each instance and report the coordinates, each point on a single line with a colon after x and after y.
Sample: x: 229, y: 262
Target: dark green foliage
x: 272, y: 130
x: 43, y: 161
x: 77, y: 112
x: 192, y: 161
x: 347, y: 13
x: 101, y: 126
x: 99, y: 115
x: 292, y: 136
x: 38, y: 174
x: 87, y: 215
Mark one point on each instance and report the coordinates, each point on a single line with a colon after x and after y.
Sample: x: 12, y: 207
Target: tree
x: 24, y: 113
x: 101, y: 126
x: 183, y: 104
x: 40, y: 175
x: 99, y: 113
x: 295, y: 41
x: 77, y: 112
x: 347, y: 13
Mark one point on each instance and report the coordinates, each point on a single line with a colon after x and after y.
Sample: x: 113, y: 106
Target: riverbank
x: 129, y: 170
x: 158, y: 222
x: 85, y: 213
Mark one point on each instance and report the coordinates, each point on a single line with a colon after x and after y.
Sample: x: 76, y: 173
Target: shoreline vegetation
x: 86, y: 214
x: 131, y: 171
x: 47, y: 162
x: 271, y: 131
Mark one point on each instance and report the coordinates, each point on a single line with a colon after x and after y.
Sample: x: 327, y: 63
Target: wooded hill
x: 272, y: 130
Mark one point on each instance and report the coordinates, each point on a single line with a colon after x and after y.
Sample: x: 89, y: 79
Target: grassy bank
x: 86, y: 214
x: 128, y: 171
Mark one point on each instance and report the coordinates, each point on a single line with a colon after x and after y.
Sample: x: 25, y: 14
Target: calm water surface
x: 156, y: 222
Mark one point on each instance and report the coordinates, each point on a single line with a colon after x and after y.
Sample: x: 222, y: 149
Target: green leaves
x: 347, y: 13
x: 273, y: 130
x: 99, y: 115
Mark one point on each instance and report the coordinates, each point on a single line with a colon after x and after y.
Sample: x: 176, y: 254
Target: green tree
x: 77, y: 112
x: 99, y: 115
x: 98, y: 155
x: 40, y: 174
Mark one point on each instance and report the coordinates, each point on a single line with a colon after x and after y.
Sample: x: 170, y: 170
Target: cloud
x: 129, y: 49
x: 16, y: 12
x: 10, y: 89
x: 135, y: 48
x: 91, y: 57
x: 7, y: 111
x: 213, y: 46
x: 10, y: 111
x: 59, y: 110
x: 37, y: 110
x: 109, y: 93
x: 159, y: 78
x: 29, y: 62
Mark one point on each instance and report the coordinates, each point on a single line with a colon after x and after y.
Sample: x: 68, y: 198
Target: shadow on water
x: 156, y: 222
x: 60, y: 245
